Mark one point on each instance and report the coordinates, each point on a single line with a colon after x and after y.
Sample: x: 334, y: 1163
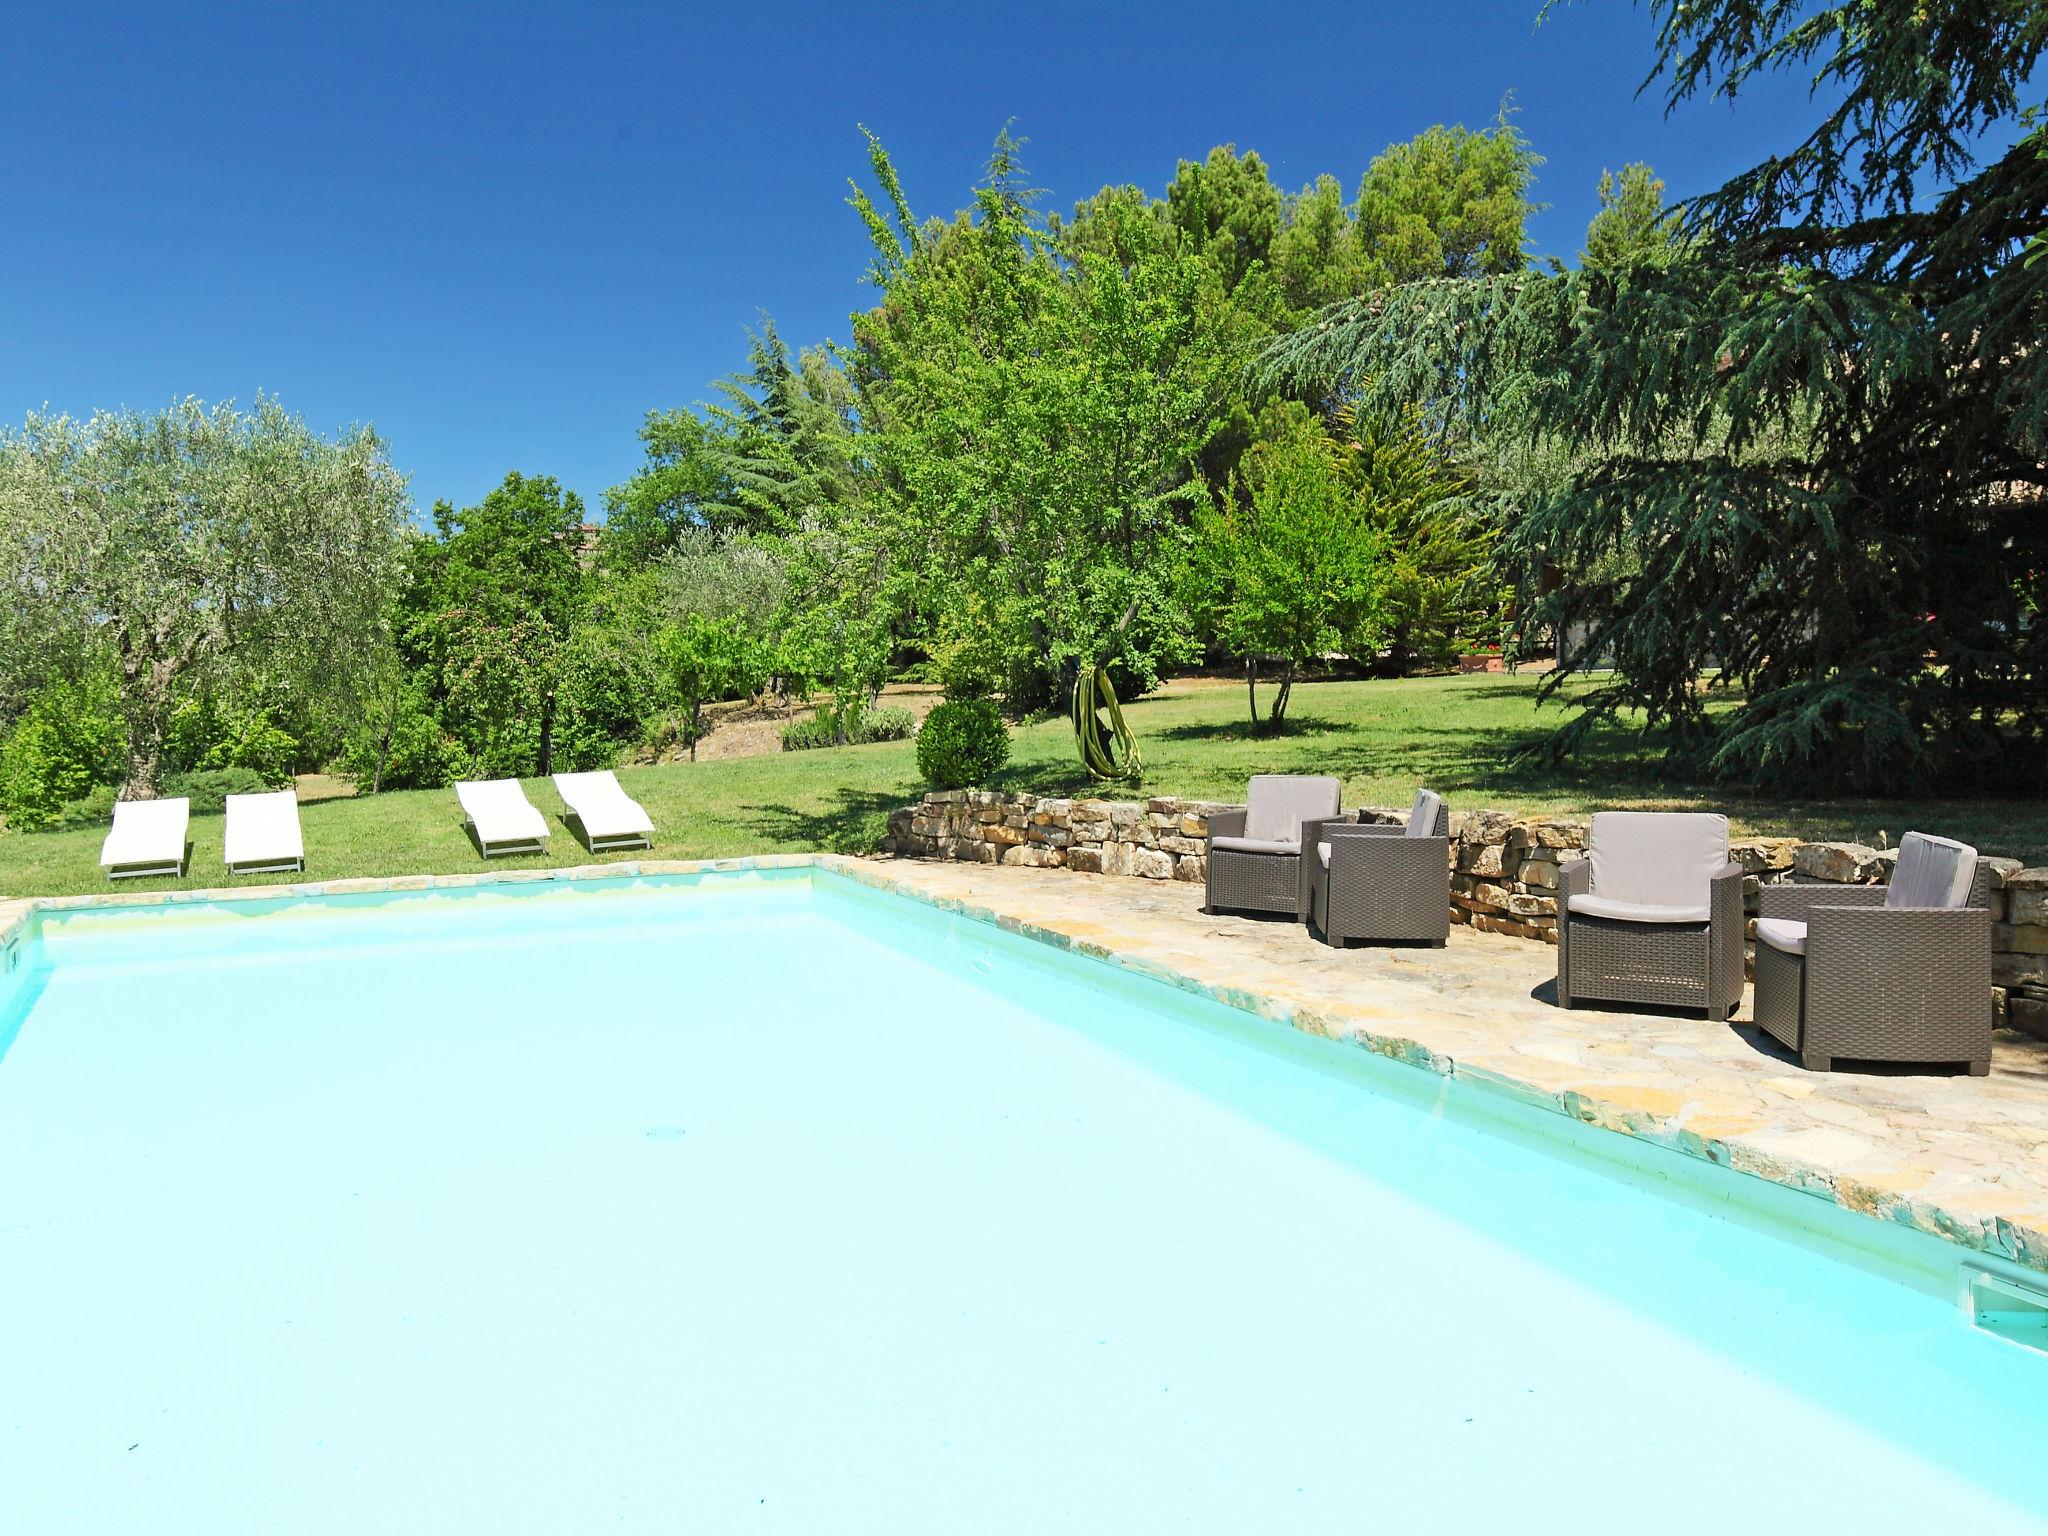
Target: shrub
x: 418, y: 754
x: 68, y: 739
x: 205, y: 734
x: 822, y: 729
x: 209, y: 788
x: 962, y: 744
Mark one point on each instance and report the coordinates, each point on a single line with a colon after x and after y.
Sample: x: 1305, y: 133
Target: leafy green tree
x: 175, y: 545
x: 70, y: 738
x: 704, y: 659
x: 1291, y: 567
x: 1034, y: 418
x: 1451, y: 202
x: 1802, y: 463
x: 489, y: 603
x: 498, y: 691
x: 686, y: 483
x: 1439, y: 589
x: 1316, y: 256
x: 1098, y: 221
x: 1229, y: 210
x: 1633, y: 224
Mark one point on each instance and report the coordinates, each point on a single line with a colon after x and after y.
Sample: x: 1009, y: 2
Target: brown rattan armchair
x: 1254, y: 852
x: 1898, y: 972
x: 1652, y: 914
x: 1384, y: 884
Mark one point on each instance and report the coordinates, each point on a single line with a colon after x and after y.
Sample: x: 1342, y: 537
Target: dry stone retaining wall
x: 1503, y: 866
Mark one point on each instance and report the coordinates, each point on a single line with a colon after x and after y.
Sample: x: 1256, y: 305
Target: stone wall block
x: 1763, y: 855
x: 1152, y: 864
x: 2026, y: 907
x: 1836, y: 863
x: 1557, y: 834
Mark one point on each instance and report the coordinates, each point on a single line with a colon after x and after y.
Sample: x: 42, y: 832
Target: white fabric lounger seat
x: 148, y: 838
x: 503, y: 818
x: 263, y: 833
x: 611, y: 818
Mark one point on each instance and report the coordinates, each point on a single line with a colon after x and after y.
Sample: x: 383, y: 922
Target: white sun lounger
x: 148, y: 838
x: 611, y: 818
x: 263, y: 833
x: 503, y: 818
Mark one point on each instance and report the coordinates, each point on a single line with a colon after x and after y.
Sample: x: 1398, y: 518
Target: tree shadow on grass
x: 1295, y: 728
x: 852, y: 821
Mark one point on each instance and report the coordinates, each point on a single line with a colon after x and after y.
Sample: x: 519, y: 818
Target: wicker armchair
x: 1385, y: 884
x: 1898, y: 972
x: 1652, y: 914
x: 1254, y: 853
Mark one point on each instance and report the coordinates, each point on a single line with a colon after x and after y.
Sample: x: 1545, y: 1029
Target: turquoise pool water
x: 779, y: 1205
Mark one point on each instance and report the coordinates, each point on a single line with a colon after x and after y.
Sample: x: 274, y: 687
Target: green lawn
x: 1456, y: 734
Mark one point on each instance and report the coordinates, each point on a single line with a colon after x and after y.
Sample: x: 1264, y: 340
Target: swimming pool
x: 775, y: 1203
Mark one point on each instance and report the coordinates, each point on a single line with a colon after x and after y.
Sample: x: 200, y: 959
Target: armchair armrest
x: 1367, y: 829
x: 1726, y: 931
x: 1228, y: 823
x: 1318, y: 830
x: 1798, y: 902
x: 1573, y: 879
x: 1899, y: 984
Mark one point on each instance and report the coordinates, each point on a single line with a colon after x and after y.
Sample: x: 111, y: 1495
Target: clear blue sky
x: 504, y: 233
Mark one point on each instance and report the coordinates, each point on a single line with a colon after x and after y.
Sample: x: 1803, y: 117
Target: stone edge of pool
x: 1993, y: 1234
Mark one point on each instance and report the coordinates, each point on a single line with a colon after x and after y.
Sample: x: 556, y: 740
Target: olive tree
x: 173, y: 544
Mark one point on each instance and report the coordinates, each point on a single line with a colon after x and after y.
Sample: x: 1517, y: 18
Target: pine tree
x: 1801, y: 465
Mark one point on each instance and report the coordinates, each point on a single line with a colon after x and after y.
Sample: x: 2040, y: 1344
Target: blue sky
x: 504, y: 233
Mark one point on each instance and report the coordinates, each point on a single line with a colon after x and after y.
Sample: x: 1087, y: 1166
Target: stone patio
x: 1963, y: 1158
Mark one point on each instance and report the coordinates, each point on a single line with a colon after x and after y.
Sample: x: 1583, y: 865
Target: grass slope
x: 1458, y: 735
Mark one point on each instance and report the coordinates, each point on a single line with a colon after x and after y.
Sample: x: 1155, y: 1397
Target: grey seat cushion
x: 1323, y: 854
x: 1593, y: 904
x: 1782, y: 933
x: 1657, y: 859
x: 1932, y: 872
x: 1284, y: 845
x: 1278, y: 803
x: 1422, y: 815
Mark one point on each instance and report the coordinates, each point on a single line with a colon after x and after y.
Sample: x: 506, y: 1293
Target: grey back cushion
x: 1658, y: 858
x: 1932, y: 872
x: 1422, y: 816
x: 1278, y: 803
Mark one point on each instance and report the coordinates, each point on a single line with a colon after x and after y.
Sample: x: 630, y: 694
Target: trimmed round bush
x: 962, y: 744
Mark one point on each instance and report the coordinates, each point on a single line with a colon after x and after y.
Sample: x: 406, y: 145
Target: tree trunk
x: 1278, y: 718
x: 148, y: 708
x: 547, y: 735
x: 1251, y: 687
x: 384, y: 746
x: 145, y: 768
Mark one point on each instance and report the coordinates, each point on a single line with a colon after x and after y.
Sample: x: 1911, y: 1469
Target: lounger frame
x: 142, y: 871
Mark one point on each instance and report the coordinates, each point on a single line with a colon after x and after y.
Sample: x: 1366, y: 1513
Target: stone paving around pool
x: 1963, y: 1158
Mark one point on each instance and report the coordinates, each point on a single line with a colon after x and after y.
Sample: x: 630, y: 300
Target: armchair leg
x: 1814, y: 1061
x: 1981, y: 1068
